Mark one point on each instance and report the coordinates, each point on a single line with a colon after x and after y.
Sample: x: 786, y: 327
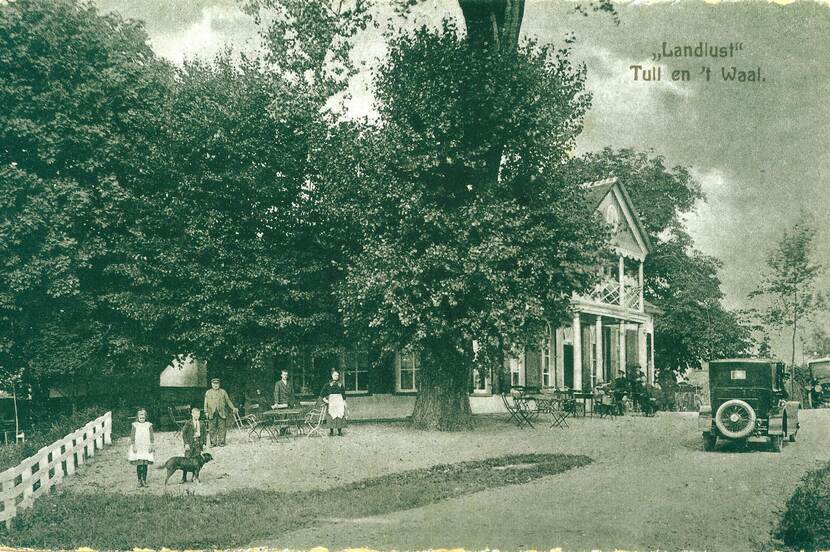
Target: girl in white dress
x: 141, y: 446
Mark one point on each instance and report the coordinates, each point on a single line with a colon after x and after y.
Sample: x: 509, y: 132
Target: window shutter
x: 533, y: 368
x: 632, y: 349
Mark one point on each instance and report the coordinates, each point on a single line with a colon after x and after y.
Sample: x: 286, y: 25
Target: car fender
x: 776, y: 424
x: 704, y: 418
x: 792, y: 408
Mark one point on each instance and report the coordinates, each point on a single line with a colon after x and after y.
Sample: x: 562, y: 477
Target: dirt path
x: 650, y: 486
x: 657, y: 490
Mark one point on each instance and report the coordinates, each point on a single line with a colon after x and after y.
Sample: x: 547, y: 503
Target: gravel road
x: 650, y: 487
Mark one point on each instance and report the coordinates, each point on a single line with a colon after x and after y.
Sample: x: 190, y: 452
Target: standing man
x: 284, y: 397
x: 284, y: 392
x: 216, y: 401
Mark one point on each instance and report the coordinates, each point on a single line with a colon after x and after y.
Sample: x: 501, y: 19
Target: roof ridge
x: 596, y: 183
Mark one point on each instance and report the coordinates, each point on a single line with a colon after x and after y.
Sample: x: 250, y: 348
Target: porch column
x: 577, y: 329
x: 641, y: 286
x: 599, y: 368
x: 622, y: 281
x: 560, y: 359
x: 622, y: 346
x: 653, y: 367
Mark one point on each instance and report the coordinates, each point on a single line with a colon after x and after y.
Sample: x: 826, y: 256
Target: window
x: 517, y: 372
x: 302, y: 375
x: 548, y: 360
x: 407, y: 372
x: 738, y: 374
x: 481, y: 380
x: 355, y: 368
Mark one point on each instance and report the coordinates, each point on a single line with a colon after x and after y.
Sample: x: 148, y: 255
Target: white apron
x: 337, y: 406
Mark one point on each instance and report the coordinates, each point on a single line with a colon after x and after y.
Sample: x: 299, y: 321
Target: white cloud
x: 623, y: 110
x: 611, y: 79
x: 204, y: 38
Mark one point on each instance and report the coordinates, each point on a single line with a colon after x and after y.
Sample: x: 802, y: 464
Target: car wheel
x: 792, y: 437
x: 776, y: 441
x: 709, y: 441
x: 735, y: 419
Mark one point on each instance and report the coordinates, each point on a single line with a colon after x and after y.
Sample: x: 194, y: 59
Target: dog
x: 188, y: 464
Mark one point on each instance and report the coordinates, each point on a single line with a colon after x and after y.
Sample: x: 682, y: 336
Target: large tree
x: 451, y: 254
x: 82, y: 97
x: 681, y: 280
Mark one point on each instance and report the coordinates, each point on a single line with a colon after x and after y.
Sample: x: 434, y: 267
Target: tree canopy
x: 456, y: 245
x: 82, y: 95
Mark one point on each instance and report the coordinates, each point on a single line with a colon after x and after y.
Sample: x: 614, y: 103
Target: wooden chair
x: 517, y: 409
x: 179, y: 415
x: 313, y: 421
x: 551, y: 405
x: 244, y: 423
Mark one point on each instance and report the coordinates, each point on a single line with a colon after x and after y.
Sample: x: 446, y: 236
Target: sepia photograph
x: 415, y: 275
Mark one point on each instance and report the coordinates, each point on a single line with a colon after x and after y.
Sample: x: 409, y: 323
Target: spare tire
x: 735, y: 419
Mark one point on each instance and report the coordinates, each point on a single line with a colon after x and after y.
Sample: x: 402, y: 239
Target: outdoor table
x: 271, y: 421
x: 585, y: 396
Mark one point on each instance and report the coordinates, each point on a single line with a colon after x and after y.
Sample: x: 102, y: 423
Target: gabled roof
x: 596, y: 192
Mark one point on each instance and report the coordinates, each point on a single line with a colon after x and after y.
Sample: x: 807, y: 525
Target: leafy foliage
x: 806, y: 521
x: 82, y: 96
x: 790, y: 283
x: 458, y: 243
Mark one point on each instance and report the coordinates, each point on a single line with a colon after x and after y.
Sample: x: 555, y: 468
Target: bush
x: 806, y: 522
x: 44, y: 433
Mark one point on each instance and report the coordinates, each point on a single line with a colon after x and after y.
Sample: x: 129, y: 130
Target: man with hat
x: 216, y: 401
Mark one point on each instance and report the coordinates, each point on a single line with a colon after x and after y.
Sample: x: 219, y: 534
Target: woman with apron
x: 332, y: 394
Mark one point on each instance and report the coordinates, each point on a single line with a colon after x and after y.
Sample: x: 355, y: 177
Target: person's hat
x: 214, y: 380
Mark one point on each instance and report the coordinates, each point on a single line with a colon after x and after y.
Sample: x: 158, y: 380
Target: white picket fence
x: 40, y: 473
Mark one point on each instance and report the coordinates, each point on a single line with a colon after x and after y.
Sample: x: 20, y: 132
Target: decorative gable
x: 614, y: 205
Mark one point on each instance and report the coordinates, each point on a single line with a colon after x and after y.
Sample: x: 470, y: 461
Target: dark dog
x: 188, y: 464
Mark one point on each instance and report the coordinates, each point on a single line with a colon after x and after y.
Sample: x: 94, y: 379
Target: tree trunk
x: 493, y: 23
x: 443, y: 402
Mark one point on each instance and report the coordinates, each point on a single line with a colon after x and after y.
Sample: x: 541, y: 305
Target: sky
x: 760, y: 150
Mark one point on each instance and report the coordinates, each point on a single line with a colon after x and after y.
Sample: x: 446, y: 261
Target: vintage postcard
x: 414, y: 274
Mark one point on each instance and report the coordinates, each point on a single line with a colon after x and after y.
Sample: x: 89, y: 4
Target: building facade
x: 613, y: 326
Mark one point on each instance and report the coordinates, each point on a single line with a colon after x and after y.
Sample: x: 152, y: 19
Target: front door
x: 568, y: 357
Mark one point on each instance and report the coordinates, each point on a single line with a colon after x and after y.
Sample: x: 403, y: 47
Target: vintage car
x: 819, y: 382
x: 747, y: 399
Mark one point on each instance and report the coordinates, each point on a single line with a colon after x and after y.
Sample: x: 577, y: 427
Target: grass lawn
x: 118, y: 521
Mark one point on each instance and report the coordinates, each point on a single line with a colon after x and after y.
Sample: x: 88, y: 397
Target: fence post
x: 99, y: 433
x: 89, y: 437
x: 108, y: 428
x: 7, y: 485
